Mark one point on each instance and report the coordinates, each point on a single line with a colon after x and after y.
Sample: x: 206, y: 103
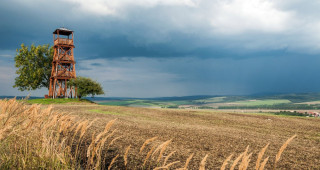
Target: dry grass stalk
x: 112, y: 162
x: 245, y: 162
x: 260, y: 155
x: 94, y: 150
x: 263, y: 163
x: 109, y: 124
x: 77, y: 130
x: 89, y: 149
x: 106, y: 130
x: 283, y: 147
x: 188, y: 161
x: 147, y: 142
x: 244, y: 158
x: 225, y: 162
x: 235, y: 162
x: 172, y: 163
x: 84, y: 128
x: 203, y: 163
x: 163, y: 148
x: 101, y: 144
x: 159, y: 148
x: 167, y: 158
x: 113, y: 140
x: 148, y: 155
x: 167, y: 166
x: 91, y: 123
x: 125, y: 157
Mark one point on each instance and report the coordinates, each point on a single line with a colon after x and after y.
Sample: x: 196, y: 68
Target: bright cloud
x: 238, y: 16
x: 232, y: 16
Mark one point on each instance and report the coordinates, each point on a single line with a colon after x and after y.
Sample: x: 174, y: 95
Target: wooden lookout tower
x: 63, y: 65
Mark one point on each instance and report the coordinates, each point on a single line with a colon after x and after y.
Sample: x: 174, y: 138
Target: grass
x: 59, y: 101
x: 262, y: 102
x: 35, y: 138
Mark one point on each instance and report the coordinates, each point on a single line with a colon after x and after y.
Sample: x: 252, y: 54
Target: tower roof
x: 63, y: 31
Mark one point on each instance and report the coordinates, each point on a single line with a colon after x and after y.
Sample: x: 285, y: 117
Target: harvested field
x: 202, y: 132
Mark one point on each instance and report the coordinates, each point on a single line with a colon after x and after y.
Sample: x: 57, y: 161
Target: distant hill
x: 302, y: 101
x: 293, y: 97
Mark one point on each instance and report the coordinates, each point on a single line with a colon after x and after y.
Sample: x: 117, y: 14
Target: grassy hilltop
x: 67, y: 136
x: 59, y: 101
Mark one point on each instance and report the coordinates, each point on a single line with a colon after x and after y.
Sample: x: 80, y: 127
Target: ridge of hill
x: 292, y: 101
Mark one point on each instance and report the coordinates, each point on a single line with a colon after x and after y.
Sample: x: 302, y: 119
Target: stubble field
x: 202, y: 132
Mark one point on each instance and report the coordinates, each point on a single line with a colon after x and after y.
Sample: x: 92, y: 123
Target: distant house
x: 310, y: 113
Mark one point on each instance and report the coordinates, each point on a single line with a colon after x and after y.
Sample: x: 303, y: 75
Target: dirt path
x: 218, y: 134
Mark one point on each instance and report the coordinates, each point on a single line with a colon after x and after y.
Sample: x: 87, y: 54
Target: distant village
x: 309, y: 113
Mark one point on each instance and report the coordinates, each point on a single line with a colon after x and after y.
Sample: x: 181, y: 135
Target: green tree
x: 33, y: 67
x: 86, y: 86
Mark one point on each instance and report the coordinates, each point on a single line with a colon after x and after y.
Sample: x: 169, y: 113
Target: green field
x: 262, y: 102
x: 58, y: 101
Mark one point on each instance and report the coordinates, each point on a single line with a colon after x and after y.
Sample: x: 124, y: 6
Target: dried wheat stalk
x: 225, y: 162
x: 260, y: 155
x: 263, y: 163
x: 235, y: 162
x: 112, y: 162
x: 203, y: 163
x: 147, y: 142
x: 163, y: 148
x: 167, y: 158
x: 125, y: 157
x: 283, y: 147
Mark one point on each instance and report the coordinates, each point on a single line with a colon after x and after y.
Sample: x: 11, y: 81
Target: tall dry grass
x: 241, y: 162
x: 35, y: 138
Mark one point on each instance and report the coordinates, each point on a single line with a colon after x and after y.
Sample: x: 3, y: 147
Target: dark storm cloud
x: 179, y: 47
x: 157, y: 34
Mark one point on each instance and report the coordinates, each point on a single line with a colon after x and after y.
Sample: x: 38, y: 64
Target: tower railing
x: 63, y: 41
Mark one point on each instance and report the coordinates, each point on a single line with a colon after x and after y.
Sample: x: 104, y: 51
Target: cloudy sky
x: 153, y: 48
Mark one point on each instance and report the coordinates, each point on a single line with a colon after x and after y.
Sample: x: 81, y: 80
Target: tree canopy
x: 34, y: 67
x: 86, y: 86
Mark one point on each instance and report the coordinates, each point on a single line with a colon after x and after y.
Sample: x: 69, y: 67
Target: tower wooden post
x: 63, y: 65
